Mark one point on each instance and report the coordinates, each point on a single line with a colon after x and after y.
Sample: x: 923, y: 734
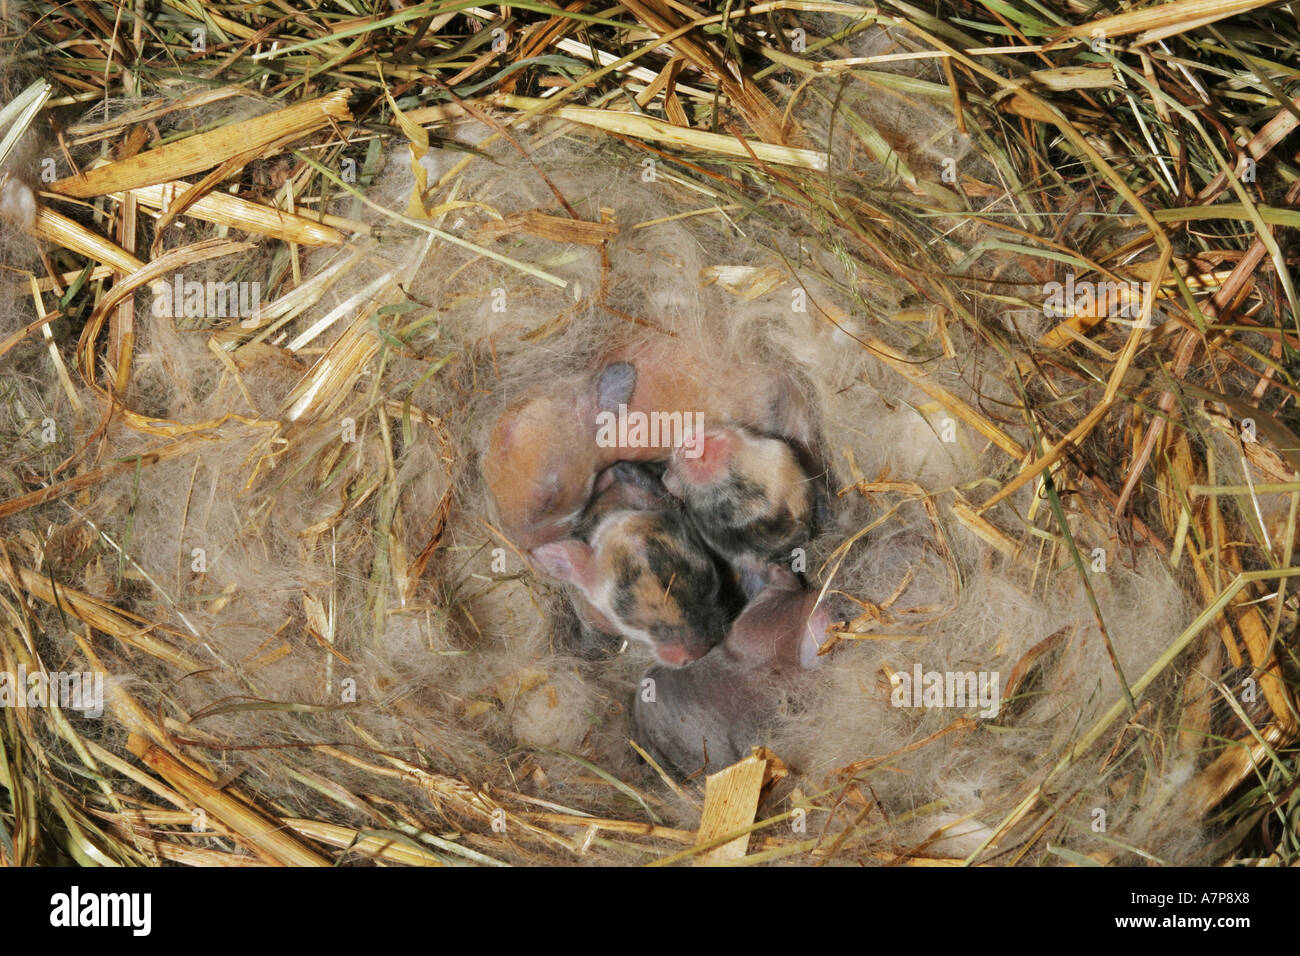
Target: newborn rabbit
x: 708, y: 714
x: 643, y: 573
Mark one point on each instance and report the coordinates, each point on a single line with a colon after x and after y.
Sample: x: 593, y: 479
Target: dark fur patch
x: 736, y: 516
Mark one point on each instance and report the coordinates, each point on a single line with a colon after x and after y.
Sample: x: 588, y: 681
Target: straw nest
x: 1030, y: 263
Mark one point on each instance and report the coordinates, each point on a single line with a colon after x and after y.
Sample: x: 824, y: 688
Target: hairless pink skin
x: 542, y: 456
x: 708, y: 714
x: 701, y: 460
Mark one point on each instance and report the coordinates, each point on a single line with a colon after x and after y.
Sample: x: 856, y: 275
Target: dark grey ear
x: 617, y: 382
x: 752, y: 581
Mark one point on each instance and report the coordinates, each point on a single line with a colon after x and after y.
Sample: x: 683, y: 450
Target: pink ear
x: 567, y: 560
x: 814, y: 636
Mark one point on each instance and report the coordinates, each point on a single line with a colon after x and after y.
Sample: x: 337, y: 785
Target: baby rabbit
x: 708, y: 714
x: 747, y: 495
x: 643, y: 573
x: 543, y: 454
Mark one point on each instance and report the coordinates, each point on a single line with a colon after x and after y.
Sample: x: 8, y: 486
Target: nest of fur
x: 269, y: 534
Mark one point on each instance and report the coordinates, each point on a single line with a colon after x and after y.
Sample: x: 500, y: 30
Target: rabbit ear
x: 568, y: 560
x: 814, y: 636
x: 615, y: 386
x: 752, y: 582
